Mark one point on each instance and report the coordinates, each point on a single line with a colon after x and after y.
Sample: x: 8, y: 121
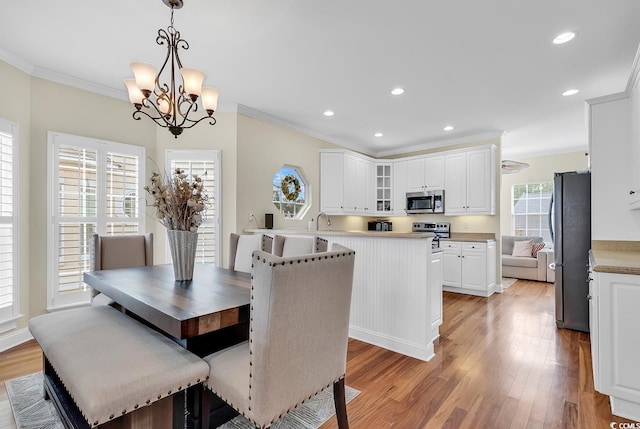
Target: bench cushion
x: 111, y: 364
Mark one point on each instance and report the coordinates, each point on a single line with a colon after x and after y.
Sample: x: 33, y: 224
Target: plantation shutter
x: 8, y: 224
x: 206, y: 165
x: 95, y: 188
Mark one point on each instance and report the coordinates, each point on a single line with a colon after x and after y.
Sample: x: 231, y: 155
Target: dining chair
x: 294, y: 246
x: 119, y: 251
x: 298, y: 335
x: 242, y: 246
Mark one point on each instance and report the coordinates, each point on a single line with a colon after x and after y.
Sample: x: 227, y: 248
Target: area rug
x: 507, y: 281
x: 31, y: 411
x: 29, y: 408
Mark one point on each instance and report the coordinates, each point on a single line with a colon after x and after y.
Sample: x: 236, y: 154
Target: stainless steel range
x: 440, y: 229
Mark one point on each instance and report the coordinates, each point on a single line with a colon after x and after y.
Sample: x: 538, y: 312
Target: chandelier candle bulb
x: 164, y: 106
x: 145, y: 75
x: 210, y: 99
x: 135, y: 95
x: 192, y: 79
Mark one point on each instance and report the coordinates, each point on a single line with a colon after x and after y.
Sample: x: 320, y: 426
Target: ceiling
x: 485, y: 67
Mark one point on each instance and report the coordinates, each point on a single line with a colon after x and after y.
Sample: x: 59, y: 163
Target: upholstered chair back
x: 294, y: 246
x: 241, y: 248
x: 299, y: 328
x: 121, y: 251
x: 109, y: 252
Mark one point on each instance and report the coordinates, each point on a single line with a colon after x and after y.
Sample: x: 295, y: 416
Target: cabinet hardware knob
x: 632, y: 192
x: 589, y: 297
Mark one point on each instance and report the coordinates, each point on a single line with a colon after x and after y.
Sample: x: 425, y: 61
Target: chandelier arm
x: 193, y: 123
x: 162, y: 89
x: 163, y: 124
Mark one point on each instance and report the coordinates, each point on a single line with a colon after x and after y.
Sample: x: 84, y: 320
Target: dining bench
x: 111, y: 365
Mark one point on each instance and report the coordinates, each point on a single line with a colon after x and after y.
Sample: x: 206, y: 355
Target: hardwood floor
x: 500, y: 363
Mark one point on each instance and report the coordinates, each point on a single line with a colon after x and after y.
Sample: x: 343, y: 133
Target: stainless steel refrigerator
x: 570, y: 221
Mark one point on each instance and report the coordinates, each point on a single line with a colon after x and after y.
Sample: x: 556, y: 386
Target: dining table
x: 204, y: 315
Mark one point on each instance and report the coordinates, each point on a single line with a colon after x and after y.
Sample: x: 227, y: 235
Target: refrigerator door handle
x: 551, y: 217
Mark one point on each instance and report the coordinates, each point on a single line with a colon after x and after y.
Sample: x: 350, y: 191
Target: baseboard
x: 15, y: 338
x: 623, y: 408
x: 418, y: 351
x: 482, y: 293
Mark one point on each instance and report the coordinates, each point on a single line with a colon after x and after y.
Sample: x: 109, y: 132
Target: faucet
x: 318, y: 220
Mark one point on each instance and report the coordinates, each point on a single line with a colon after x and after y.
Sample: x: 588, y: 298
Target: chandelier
x: 166, y: 104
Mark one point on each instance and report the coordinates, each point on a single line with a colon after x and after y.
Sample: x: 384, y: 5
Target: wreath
x: 290, y: 187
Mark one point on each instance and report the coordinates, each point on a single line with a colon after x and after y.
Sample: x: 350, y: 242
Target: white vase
x: 183, y: 253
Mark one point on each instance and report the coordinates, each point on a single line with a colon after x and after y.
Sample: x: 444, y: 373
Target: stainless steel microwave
x: 425, y: 202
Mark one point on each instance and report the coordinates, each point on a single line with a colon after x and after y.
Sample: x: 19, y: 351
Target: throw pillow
x: 522, y: 248
x: 535, y: 248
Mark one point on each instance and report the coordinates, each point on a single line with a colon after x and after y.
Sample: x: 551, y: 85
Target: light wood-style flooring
x: 500, y: 363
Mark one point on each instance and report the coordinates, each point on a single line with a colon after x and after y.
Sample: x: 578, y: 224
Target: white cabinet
x: 346, y: 184
x: 614, y: 321
x: 434, y: 273
x: 451, y: 263
x: 425, y: 173
x: 469, y: 267
x: 358, y: 185
x: 470, y: 182
x: 399, y: 183
x: 383, y: 189
x: 355, y: 184
x: 332, y: 182
x: 434, y: 172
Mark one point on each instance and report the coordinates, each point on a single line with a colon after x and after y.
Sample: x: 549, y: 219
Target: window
x: 291, y: 192
x: 206, y: 164
x: 8, y: 225
x: 95, y: 186
x: 530, y: 209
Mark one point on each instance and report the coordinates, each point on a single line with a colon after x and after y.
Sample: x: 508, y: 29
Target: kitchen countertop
x: 380, y: 234
x: 615, y: 261
x: 470, y: 236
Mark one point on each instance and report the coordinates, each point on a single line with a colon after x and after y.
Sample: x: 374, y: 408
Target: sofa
x: 526, y: 267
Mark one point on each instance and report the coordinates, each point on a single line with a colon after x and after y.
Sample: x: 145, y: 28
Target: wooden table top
x: 211, y: 301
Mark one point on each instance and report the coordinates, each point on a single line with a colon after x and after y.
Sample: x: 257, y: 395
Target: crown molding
x: 79, y: 83
x: 435, y: 144
x: 634, y: 77
x: 16, y: 61
x: 607, y: 98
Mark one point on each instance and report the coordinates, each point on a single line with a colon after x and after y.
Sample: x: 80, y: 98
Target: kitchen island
x: 397, y: 288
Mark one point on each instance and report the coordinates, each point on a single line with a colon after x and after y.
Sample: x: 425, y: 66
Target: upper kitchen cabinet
x: 332, y: 182
x: 358, y: 185
x: 383, y: 188
x: 399, y: 182
x: 470, y: 181
x: 346, y: 183
x: 425, y: 173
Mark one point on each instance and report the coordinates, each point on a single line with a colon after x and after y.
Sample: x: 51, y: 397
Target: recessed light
x: 377, y: 135
x: 570, y: 92
x: 397, y: 91
x: 328, y: 113
x: 448, y: 128
x: 564, y: 38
